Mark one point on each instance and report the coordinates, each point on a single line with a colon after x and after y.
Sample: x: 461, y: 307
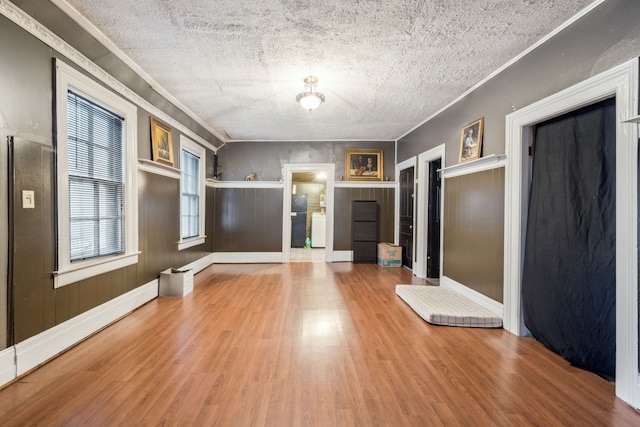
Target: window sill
x: 194, y: 241
x: 77, y: 272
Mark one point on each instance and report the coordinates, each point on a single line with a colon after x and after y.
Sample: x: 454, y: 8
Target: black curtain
x: 569, y: 282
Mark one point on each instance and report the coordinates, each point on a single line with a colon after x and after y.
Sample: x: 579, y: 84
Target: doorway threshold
x: 307, y: 255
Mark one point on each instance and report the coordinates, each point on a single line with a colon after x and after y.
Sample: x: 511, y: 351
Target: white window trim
x: 67, y: 273
x: 198, y: 150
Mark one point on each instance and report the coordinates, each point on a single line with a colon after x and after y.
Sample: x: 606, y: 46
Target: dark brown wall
x: 248, y: 220
x: 26, y: 113
x: 33, y: 248
x: 159, y: 226
x: 38, y: 306
x: 342, y: 222
x: 474, y: 231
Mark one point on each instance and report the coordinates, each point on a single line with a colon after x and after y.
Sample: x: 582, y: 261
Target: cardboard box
x: 389, y: 255
x: 176, y: 283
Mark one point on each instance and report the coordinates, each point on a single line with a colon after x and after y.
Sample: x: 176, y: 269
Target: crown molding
x: 45, y: 35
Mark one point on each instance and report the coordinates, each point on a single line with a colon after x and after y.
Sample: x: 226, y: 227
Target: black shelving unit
x: 364, y: 231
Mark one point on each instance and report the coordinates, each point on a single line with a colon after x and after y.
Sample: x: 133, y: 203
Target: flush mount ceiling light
x: 310, y: 100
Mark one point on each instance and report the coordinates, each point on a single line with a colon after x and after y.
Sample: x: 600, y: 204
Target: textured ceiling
x: 384, y: 66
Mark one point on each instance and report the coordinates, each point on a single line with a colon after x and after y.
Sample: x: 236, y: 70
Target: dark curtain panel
x: 569, y: 282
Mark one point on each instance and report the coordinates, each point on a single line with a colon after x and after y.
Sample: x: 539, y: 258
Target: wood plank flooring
x: 305, y: 344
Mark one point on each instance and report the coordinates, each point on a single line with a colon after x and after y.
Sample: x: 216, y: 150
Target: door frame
x: 288, y: 170
x: 422, y: 232
x: 621, y: 82
x: 406, y: 164
x: 6, y: 244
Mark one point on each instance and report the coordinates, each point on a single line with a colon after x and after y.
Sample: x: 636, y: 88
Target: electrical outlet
x: 28, y: 199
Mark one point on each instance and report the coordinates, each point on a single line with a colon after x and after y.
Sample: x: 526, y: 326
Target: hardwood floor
x: 305, y: 344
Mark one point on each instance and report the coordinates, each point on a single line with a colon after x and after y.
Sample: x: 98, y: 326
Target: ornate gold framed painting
x: 363, y: 165
x: 161, y: 143
x: 471, y: 141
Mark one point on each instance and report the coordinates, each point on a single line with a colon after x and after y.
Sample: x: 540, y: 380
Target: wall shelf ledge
x: 158, y: 168
x: 483, y: 163
x: 244, y: 184
x: 377, y: 184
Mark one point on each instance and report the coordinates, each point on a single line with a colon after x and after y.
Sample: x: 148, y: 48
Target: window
x: 95, y: 169
x: 97, y: 190
x: 192, y: 193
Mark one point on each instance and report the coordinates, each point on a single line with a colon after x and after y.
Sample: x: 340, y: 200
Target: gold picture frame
x: 161, y: 143
x: 471, y: 141
x: 364, y: 164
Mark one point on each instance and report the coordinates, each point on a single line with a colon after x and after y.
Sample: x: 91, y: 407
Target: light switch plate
x: 28, y: 199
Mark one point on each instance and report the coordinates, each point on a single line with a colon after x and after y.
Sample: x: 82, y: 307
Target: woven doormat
x: 444, y: 306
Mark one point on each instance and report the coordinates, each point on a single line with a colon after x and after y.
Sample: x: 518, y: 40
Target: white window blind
x: 190, y: 202
x: 96, y: 179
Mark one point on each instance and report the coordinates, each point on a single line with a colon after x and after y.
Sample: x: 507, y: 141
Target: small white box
x: 176, y: 283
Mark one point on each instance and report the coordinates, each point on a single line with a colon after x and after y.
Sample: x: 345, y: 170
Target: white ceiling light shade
x: 309, y: 99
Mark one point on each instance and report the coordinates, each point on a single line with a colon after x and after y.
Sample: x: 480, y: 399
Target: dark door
x: 406, y: 216
x: 433, y: 220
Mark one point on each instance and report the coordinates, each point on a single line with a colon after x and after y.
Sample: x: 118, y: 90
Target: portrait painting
x: 161, y: 144
x: 471, y: 141
x: 364, y: 165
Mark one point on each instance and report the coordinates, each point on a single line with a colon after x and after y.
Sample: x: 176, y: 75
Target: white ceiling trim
x: 534, y: 46
x: 237, y: 64
x: 102, y: 38
x: 311, y: 140
x: 42, y: 33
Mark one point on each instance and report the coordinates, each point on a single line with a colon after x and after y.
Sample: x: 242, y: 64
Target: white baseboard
x: 7, y: 365
x: 342, y: 256
x: 247, y: 257
x: 267, y: 257
x: 200, y: 264
x: 42, y: 347
x: 475, y: 296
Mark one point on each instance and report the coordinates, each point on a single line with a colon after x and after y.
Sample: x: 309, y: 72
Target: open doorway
x: 308, y: 216
x: 405, y: 232
x: 433, y: 219
x: 405, y: 208
x: 570, y: 242
x: 428, y: 259
x: 620, y: 82
x: 308, y: 213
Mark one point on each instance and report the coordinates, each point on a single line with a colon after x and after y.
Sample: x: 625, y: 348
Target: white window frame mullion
x: 188, y: 145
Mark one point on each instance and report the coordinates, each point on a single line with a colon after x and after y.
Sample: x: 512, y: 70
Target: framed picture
x: 364, y: 165
x: 471, y: 141
x: 161, y: 144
